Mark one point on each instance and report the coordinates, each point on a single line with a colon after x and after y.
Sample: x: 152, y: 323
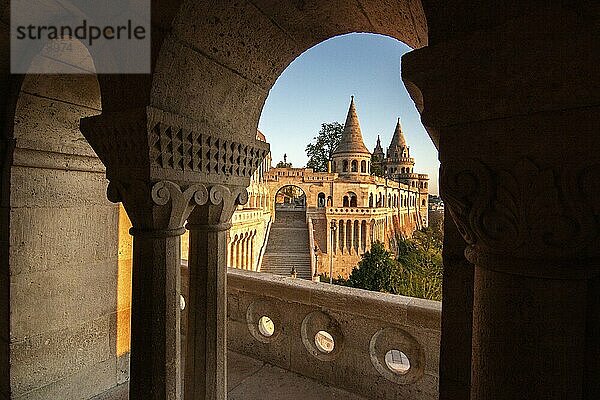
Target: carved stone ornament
x: 216, y: 213
x: 165, y: 206
x: 525, y: 212
x: 149, y: 143
x: 160, y: 206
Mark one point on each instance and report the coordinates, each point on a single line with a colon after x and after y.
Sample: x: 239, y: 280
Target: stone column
x: 251, y: 253
x: 351, y: 241
x: 206, y: 353
x: 341, y: 235
x: 333, y: 238
x: 457, y: 316
x: 157, y: 212
x: 359, y: 237
x: 520, y: 176
x: 248, y: 258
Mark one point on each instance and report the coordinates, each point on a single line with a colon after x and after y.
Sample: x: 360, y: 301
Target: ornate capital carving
x: 216, y: 214
x: 152, y: 144
x: 525, y: 212
x: 157, y: 208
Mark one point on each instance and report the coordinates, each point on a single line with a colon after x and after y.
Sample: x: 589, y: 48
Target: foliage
x: 324, y: 277
x: 377, y: 271
x: 420, y: 262
x: 416, y: 272
x: 321, y: 151
x: 283, y: 164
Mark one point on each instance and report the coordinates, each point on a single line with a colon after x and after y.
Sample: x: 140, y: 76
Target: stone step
x: 288, y: 245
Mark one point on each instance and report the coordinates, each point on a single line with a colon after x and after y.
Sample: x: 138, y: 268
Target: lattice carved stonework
x: 525, y: 212
x: 153, y: 144
x: 181, y: 147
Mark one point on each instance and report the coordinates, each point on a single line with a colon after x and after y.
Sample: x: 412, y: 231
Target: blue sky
x: 317, y: 86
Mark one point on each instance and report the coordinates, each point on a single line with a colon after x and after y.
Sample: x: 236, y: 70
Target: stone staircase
x: 287, y: 246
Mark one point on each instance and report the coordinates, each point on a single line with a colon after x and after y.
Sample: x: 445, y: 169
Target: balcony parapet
x: 363, y: 327
x: 245, y: 215
x: 358, y: 211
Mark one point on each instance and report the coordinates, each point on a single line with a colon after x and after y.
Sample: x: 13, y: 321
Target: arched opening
x: 350, y: 200
x: 69, y: 261
x: 354, y: 166
x: 371, y: 200
x: 345, y: 166
x: 290, y: 197
x: 363, y: 167
x: 321, y: 200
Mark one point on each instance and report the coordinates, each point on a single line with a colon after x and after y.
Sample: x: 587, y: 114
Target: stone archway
x: 63, y: 232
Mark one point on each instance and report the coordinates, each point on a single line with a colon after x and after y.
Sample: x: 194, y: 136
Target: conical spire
x: 352, y: 141
x: 378, y: 151
x: 398, y: 140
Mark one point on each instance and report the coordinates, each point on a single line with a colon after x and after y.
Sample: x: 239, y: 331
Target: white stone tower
x: 352, y: 157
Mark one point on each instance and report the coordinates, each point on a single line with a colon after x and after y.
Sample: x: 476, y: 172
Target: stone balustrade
x: 348, y: 338
x: 248, y: 215
x: 367, y: 211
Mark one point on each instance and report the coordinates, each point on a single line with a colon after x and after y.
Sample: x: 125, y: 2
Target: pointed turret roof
x: 378, y: 149
x: 398, y: 140
x: 352, y: 141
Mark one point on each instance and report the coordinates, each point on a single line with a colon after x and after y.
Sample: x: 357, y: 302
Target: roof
x: 260, y: 136
x: 352, y: 141
x: 398, y: 140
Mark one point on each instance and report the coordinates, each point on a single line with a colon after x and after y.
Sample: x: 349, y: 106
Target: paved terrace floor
x: 250, y: 379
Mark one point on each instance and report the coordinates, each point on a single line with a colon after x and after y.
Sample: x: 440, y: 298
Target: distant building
x: 363, y: 208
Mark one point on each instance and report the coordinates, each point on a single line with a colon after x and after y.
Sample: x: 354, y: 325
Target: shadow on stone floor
x: 250, y: 379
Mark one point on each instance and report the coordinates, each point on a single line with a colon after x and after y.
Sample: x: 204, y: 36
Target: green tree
x: 321, y: 151
x: 420, y: 263
x: 284, y: 163
x: 377, y: 271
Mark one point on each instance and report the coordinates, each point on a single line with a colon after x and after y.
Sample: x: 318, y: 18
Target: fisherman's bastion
x: 337, y: 214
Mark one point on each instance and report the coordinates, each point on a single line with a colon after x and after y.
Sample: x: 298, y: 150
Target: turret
x: 352, y: 157
x: 399, y: 163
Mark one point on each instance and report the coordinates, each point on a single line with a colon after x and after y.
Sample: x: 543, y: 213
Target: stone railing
x: 366, y: 211
x: 248, y: 215
x: 311, y: 246
x: 348, y: 338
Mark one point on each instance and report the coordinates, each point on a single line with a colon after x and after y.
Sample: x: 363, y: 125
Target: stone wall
x: 364, y: 326
x: 63, y: 247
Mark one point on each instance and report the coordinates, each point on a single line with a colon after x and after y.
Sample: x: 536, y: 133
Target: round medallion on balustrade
x: 264, y: 320
x: 397, y: 356
x: 322, y: 336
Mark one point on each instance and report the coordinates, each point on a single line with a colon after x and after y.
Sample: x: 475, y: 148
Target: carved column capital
x: 215, y: 214
x: 515, y: 219
x: 159, y: 208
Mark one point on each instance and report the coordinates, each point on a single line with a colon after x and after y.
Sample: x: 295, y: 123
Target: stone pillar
x: 248, y: 257
x: 342, y: 235
x: 457, y: 316
x: 520, y: 176
x: 359, y: 237
x: 251, y: 266
x: 206, y: 366
x: 333, y: 237
x: 351, y: 241
x: 157, y: 212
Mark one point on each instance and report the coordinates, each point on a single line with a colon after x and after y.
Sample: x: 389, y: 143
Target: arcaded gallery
x: 105, y: 172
